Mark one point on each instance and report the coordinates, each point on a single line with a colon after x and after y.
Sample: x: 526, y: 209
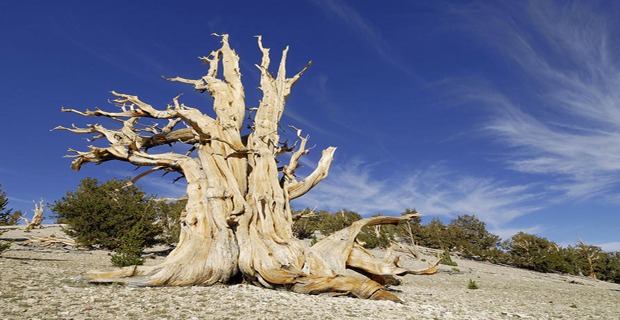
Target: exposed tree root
x: 323, y: 271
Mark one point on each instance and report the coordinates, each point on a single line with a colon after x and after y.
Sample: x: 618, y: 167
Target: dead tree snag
x: 238, y: 220
x: 36, y: 218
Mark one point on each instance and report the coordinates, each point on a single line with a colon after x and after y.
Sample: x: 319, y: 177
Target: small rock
x: 18, y: 310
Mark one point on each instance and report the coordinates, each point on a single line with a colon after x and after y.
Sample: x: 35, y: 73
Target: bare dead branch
x: 298, y: 189
x: 140, y: 176
x: 49, y: 240
x: 171, y: 199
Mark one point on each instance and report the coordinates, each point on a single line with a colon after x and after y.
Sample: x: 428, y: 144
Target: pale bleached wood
x: 37, y: 218
x: 46, y: 241
x: 238, y: 219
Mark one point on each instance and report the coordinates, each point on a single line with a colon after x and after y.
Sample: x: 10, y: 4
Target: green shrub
x: 496, y: 256
x: 472, y: 285
x: 410, y: 231
x: 376, y: 236
x: 4, y: 244
x: 434, y: 235
x: 306, y: 223
x: 169, y: 219
x: 7, y: 216
x: 447, y: 259
x: 323, y: 221
x: 469, y: 236
x: 102, y: 214
x: 130, y: 251
x: 330, y: 223
x: 535, y: 253
x: 313, y: 241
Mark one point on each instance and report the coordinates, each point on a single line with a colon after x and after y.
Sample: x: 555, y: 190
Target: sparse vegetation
x: 328, y: 223
x: 63, y: 293
x: 472, y: 285
x: 447, y: 260
x: 4, y: 244
x: 103, y: 214
x: 7, y: 216
x: 468, y: 236
x: 92, y: 213
x: 130, y: 251
x: 168, y: 218
x: 314, y: 240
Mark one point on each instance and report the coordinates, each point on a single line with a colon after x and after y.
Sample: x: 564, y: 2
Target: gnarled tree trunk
x: 237, y: 222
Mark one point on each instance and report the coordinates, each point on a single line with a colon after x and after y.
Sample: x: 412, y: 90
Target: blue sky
x: 508, y: 110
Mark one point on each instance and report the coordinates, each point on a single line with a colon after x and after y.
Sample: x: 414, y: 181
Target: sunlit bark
x: 37, y: 218
x: 237, y: 222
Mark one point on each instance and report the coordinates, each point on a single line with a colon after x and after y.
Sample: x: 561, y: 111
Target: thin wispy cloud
x: 365, y: 30
x: 14, y: 199
x: 355, y: 20
x: 610, y: 246
x: 571, y: 129
x: 433, y: 191
x: 140, y: 62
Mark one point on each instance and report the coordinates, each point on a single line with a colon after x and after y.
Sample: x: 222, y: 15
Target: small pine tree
x: 434, y: 235
x: 535, y: 253
x: 102, y: 214
x: 4, y: 244
x: 130, y: 251
x: 7, y: 216
x: 447, y: 259
x: 472, y: 285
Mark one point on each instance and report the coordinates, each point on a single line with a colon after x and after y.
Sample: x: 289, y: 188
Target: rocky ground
x: 38, y: 282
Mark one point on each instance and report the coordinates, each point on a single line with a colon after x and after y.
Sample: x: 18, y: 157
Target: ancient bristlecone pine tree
x: 237, y: 223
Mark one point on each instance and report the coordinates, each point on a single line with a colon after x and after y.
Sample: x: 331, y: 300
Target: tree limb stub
x: 237, y: 220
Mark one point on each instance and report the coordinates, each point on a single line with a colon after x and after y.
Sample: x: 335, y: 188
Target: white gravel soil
x: 41, y: 283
